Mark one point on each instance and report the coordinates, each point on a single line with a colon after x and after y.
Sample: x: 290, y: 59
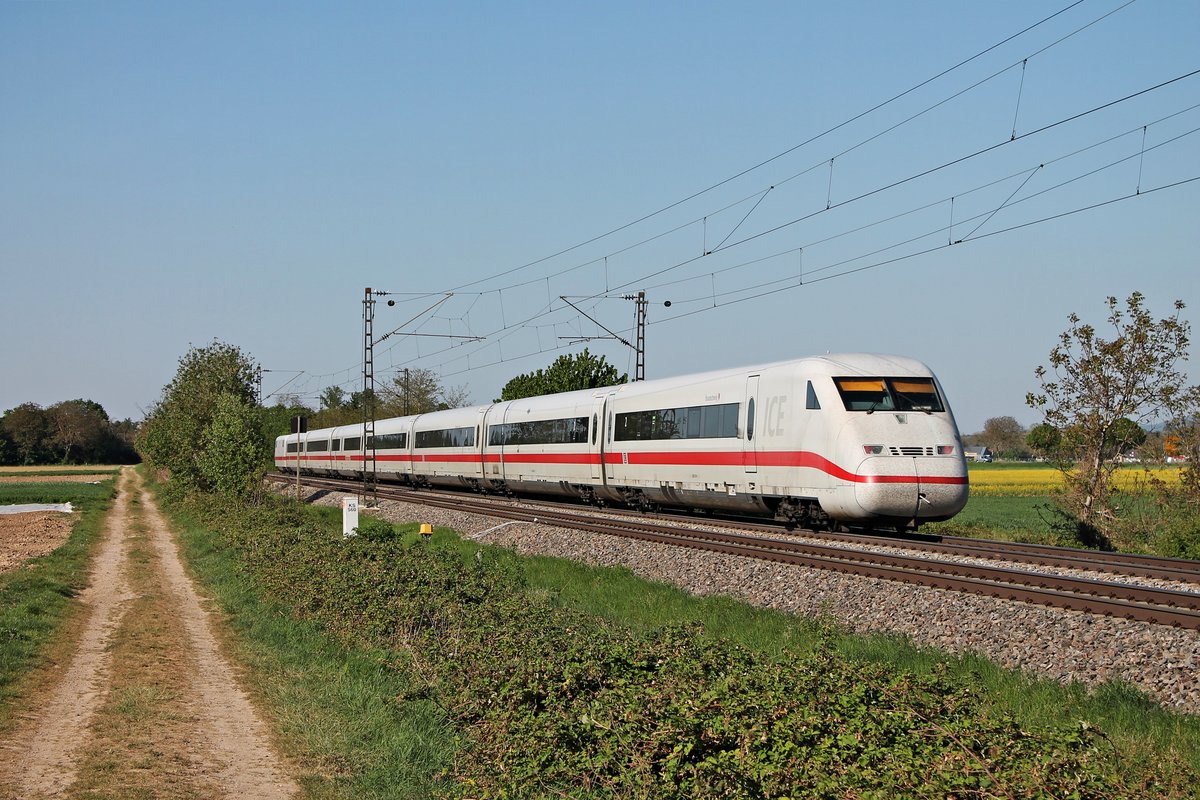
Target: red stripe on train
x: 773, y: 458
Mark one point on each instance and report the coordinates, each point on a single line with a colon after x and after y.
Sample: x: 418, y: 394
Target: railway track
x: 846, y: 553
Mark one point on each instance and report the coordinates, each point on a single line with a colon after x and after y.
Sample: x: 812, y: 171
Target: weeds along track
x: 1158, y: 591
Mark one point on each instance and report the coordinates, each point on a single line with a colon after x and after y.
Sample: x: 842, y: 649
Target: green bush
x: 551, y: 702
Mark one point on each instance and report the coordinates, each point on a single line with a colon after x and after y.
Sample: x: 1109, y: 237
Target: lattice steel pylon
x: 370, y: 485
x: 639, y: 371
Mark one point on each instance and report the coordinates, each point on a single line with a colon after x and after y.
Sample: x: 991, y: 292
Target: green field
x: 35, y: 600
x: 49, y: 491
x: 1016, y: 501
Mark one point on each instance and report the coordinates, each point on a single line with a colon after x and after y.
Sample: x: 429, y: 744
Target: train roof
x: 830, y: 364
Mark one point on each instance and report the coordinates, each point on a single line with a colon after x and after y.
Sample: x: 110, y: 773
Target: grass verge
x: 334, y: 706
x: 61, y: 469
x: 49, y: 491
x: 36, y: 600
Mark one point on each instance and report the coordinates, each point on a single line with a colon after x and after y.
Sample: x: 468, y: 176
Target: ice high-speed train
x: 861, y: 439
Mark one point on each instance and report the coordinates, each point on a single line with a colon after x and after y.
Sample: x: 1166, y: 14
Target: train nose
x: 922, y: 488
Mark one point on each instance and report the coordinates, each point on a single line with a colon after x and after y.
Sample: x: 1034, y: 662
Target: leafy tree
x: 1005, y: 435
x: 76, y: 429
x: 357, y: 399
x: 1125, y: 435
x: 336, y: 408
x: 73, y: 431
x: 568, y: 373
x: 1094, y: 384
x: 1044, y: 439
x: 174, y: 434
x: 277, y: 420
x: 418, y: 391
x: 116, y: 446
x: 333, y: 398
x: 232, y: 453
x: 26, y: 428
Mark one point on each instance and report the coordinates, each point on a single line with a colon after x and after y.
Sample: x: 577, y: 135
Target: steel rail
x: 1131, y: 564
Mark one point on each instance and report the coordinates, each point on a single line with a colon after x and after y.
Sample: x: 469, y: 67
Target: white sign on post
x: 349, y: 517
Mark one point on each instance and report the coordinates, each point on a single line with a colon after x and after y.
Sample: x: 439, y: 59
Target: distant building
x: 976, y: 452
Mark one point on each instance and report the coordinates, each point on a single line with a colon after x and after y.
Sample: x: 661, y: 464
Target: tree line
x: 209, y: 433
x: 1008, y: 439
x: 70, y: 432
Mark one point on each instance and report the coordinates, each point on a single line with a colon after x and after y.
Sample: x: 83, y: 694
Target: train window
x: 353, y: 442
x: 750, y: 420
x: 691, y: 422
x: 915, y: 394
x: 864, y: 394
x: 387, y: 441
x: 543, y: 431
x: 335, y: 445
x: 447, y: 437
x: 595, y: 426
x: 291, y: 447
x: 889, y: 394
x: 317, y: 447
x: 812, y: 403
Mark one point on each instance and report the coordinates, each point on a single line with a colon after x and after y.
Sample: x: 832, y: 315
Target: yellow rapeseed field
x: 1005, y: 481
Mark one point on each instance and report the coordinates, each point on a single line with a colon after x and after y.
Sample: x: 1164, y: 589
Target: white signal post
x: 349, y: 517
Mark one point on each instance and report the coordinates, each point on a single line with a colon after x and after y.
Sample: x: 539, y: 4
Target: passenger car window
x: 750, y: 420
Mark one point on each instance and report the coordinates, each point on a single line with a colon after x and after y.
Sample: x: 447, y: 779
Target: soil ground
x: 26, y: 536
x: 141, y: 702
x: 49, y: 476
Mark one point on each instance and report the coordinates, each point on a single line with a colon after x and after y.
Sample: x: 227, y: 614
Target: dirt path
x: 147, y: 706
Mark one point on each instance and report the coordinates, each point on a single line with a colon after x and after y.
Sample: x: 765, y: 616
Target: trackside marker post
x: 349, y: 517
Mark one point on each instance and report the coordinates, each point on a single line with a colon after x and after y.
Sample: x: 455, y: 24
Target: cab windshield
x: 889, y: 394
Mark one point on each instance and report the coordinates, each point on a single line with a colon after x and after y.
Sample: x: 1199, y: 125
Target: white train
x: 862, y: 439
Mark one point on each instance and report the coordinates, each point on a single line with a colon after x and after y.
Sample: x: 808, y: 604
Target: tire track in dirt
x: 46, y: 749
x: 236, y: 738
x: 194, y: 732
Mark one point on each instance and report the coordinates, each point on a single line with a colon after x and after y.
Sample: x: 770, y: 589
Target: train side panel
x: 680, y: 443
x: 447, y: 448
x: 544, y: 445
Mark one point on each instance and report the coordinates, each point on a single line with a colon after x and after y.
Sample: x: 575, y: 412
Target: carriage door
x: 750, y: 443
x: 607, y: 425
x: 596, y: 439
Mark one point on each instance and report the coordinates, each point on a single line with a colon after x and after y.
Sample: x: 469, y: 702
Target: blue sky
x: 171, y: 173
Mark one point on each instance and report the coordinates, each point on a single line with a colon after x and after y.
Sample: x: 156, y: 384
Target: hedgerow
x: 551, y: 702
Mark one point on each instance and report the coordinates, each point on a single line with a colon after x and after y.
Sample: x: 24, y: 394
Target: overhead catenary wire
x: 809, y: 273
x: 725, y: 244
x: 829, y: 206
x: 788, y: 151
x: 921, y: 174
x: 509, y: 329
x: 897, y: 259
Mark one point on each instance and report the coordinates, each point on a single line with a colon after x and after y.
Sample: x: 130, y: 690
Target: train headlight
x: 872, y: 449
x: 945, y: 450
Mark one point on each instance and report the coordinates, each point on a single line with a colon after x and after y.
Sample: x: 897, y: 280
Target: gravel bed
x: 1063, y: 645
